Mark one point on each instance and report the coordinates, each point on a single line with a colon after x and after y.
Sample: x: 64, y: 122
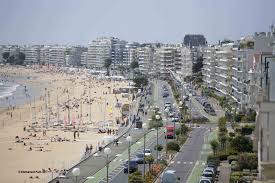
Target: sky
x: 167, y: 21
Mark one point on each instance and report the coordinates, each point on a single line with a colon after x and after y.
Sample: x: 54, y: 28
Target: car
x: 147, y: 152
x: 133, y: 166
x: 169, y: 176
x: 165, y: 95
x: 175, y: 119
x: 170, y: 135
x: 139, y: 158
x: 209, y: 169
x: 167, y: 104
x: 208, y: 175
x: 205, y: 181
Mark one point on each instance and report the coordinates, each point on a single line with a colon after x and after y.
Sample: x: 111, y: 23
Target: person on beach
x: 91, y: 148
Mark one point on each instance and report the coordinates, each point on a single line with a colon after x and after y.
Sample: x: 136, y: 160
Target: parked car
x: 139, y: 158
x: 147, y: 152
x: 167, y: 104
x: 164, y: 95
x: 205, y: 181
x: 175, y: 119
x: 169, y: 176
x: 208, y: 175
x: 132, y: 167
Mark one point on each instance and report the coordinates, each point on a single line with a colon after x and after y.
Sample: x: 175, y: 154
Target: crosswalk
x: 187, y: 162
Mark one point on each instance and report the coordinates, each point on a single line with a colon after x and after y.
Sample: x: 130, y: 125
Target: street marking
x: 191, y: 163
x: 184, y: 163
x: 178, y: 162
x: 172, y: 162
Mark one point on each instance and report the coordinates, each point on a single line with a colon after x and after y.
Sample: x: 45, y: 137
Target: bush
x: 156, y: 169
x: 231, y: 134
x: 222, y: 155
x: 247, y: 129
x: 163, y: 162
x: 232, y: 158
x: 173, y: 146
x: 136, y: 177
x: 149, y: 178
x: 248, y: 161
x: 213, y: 158
x: 241, y: 144
x: 158, y: 147
x: 236, y: 177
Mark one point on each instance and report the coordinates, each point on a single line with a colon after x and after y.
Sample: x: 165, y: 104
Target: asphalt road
x: 185, y: 160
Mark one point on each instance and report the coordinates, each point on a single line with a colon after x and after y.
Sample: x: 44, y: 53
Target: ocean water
x: 14, y: 92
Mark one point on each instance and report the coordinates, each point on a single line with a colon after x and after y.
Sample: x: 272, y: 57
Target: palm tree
x: 149, y: 159
x: 107, y: 64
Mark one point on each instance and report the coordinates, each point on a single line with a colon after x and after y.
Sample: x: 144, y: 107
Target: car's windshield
x: 204, y: 181
x: 147, y: 151
x: 207, y: 175
x: 140, y: 155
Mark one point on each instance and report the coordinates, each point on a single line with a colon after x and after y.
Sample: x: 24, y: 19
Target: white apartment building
x: 32, y: 54
x: 129, y: 54
x: 208, y: 70
x: 145, y: 59
x: 44, y: 55
x: 57, y: 55
x: 83, y: 59
x: 164, y: 61
x: 187, y: 62
x: 117, y: 49
x: 223, y: 68
x: 98, y: 51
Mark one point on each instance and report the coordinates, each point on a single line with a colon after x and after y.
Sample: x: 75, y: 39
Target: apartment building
x: 73, y: 55
x: 83, y: 58
x: 265, y: 125
x: 1, y: 54
x: 44, y: 55
x: 187, y: 62
x: 164, y: 61
x: 57, y: 55
x: 32, y: 54
x: 144, y: 57
x: 129, y: 54
x: 117, y: 49
x: 98, y: 51
x: 208, y: 70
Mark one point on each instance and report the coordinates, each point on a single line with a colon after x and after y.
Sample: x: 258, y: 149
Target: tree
x: 149, y: 159
x: 134, y: 65
x: 197, y: 66
x: 136, y: 177
x: 241, y: 144
x: 107, y: 64
x: 214, y: 145
x: 173, y: 146
x: 140, y: 81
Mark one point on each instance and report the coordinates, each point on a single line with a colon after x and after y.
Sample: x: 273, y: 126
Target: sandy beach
x: 54, y: 128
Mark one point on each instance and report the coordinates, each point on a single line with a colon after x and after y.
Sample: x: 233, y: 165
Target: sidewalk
x: 225, y: 171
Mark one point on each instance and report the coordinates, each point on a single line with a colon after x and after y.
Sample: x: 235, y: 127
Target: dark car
x: 165, y: 95
x: 139, y: 158
x: 132, y: 168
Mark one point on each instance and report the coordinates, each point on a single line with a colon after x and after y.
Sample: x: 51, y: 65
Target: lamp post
x: 76, y: 173
x: 144, y: 126
x: 190, y: 95
x: 107, y: 152
x: 157, y: 118
x: 129, y: 140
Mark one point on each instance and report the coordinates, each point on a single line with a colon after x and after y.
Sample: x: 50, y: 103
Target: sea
x: 14, y: 91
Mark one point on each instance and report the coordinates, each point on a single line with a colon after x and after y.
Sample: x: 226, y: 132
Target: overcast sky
x: 80, y: 21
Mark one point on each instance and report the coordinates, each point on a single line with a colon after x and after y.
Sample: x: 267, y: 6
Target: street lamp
x: 129, y: 140
x: 107, y: 152
x: 76, y: 173
x: 157, y: 118
x: 190, y: 95
x: 144, y: 126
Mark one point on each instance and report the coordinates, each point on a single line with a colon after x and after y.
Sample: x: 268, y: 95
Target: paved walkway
x: 225, y: 171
